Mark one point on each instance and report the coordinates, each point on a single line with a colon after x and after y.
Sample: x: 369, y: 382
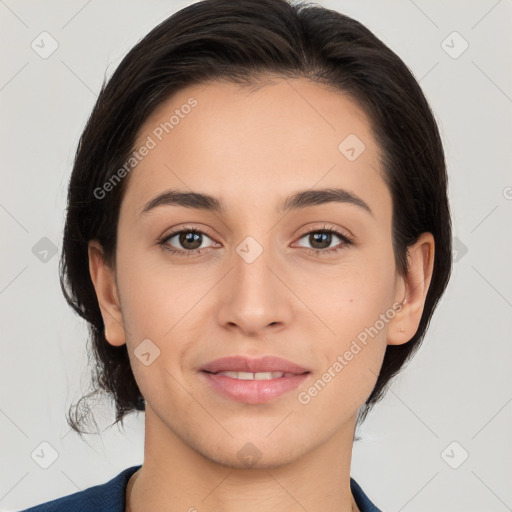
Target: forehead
x: 256, y: 144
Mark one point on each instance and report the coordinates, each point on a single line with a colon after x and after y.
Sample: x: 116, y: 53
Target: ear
x: 411, y: 290
x: 104, y: 282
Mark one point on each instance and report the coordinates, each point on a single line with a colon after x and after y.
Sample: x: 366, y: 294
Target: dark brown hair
x: 240, y: 42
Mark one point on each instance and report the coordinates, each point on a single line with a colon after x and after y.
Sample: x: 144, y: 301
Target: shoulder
x: 363, y: 502
x: 107, y: 497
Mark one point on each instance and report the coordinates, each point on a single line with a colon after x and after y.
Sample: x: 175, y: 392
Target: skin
x: 251, y: 150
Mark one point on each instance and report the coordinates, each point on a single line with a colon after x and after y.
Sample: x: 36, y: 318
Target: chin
x: 255, y: 455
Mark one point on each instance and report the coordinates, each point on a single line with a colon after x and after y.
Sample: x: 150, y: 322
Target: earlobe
x: 105, y: 286
x: 416, y: 283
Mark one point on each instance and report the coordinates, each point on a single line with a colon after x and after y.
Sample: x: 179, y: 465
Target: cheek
x: 351, y: 296
x: 356, y: 306
x: 157, y: 303
x: 155, y: 295
x: 351, y: 351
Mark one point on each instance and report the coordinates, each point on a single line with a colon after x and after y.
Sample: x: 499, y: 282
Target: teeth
x: 255, y: 376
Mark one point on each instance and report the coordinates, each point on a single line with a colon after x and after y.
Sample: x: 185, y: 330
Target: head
x: 250, y: 105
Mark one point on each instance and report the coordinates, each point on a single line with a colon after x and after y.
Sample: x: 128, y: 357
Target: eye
x: 190, y: 242
x: 322, y: 239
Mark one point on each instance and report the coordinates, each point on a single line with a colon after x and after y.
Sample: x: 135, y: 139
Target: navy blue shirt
x: 110, y: 497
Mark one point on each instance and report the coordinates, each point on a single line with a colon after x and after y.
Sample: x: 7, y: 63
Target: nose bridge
x: 254, y: 286
x: 255, y: 298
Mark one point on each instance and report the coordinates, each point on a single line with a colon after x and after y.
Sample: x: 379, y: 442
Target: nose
x: 255, y: 297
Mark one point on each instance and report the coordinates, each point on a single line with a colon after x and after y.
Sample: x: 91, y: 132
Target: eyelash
x: 346, y: 241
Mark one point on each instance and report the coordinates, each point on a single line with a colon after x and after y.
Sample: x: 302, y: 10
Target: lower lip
x: 254, y: 391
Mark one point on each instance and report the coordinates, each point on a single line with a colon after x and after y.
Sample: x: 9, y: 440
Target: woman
x: 258, y: 233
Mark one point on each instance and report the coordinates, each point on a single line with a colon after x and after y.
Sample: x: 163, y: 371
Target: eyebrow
x: 297, y: 201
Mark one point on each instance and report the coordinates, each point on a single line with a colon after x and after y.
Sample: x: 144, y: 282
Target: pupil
x: 190, y: 237
x: 319, y: 238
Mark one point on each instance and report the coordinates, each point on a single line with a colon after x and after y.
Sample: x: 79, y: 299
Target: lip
x: 254, y: 391
x: 261, y: 364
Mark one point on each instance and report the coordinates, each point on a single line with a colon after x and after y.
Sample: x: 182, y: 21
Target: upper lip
x: 245, y: 364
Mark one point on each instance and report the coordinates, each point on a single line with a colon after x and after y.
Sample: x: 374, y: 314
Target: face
x: 313, y: 281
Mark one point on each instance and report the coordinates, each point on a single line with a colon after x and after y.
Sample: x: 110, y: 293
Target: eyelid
x: 187, y: 227
x: 326, y: 227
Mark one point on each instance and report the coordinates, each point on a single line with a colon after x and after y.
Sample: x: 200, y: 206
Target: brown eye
x: 321, y: 240
x: 186, y: 242
x: 190, y: 239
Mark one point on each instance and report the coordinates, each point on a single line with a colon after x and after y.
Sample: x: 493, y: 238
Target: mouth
x: 253, y: 381
x: 247, y: 368
x: 256, y: 375
x: 253, y: 387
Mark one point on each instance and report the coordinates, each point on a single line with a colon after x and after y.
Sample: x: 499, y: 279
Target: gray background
x: 458, y: 387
